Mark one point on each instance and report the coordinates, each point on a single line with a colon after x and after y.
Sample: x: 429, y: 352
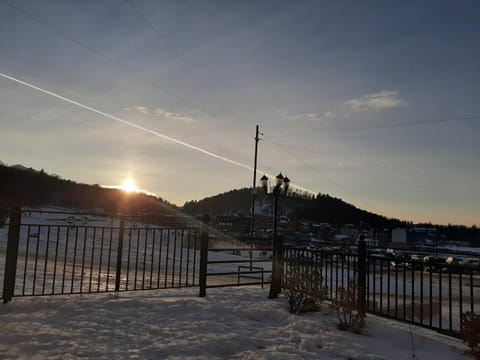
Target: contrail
x: 153, y: 132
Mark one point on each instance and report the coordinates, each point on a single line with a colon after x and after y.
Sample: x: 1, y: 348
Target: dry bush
x: 345, y: 305
x: 303, y: 286
x: 471, y: 333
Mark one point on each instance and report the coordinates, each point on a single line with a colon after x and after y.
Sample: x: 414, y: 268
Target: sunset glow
x: 370, y: 124
x: 129, y: 186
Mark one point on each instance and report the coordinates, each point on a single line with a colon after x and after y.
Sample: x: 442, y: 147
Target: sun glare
x: 129, y: 186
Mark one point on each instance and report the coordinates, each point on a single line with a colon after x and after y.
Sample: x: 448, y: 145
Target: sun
x: 129, y: 186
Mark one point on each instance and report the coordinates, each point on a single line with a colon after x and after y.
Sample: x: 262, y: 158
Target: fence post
x: 119, y: 254
x: 362, y: 274
x: 12, y: 255
x: 203, y: 256
x: 276, y: 283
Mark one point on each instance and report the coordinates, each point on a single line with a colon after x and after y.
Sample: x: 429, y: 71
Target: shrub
x: 345, y: 305
x: 471, y: 333
x: 303, y: 286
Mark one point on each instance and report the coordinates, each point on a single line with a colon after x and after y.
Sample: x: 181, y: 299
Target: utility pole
x: 254, y: 188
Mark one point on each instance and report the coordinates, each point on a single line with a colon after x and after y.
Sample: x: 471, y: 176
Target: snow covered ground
x: 230, y: 323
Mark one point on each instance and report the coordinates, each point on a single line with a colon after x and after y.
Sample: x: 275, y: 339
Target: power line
x: 174, y: 51
x: 284, y: 148
x: 449, y: 179
x: 322, y: 174
x: 140, y: 14
x: 55, y: 29
x: 116, y: 118
x: 348, y: 192
x: 384, y: 126
x: 60, y: 32
x: 178, y: 99
x: 142, y: 128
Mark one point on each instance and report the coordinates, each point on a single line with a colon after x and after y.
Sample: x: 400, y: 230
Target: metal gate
x: 55, y: 253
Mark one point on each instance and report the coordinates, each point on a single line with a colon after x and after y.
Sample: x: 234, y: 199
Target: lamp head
x: 264, y: 182
x: 279, y: 179
x: 286, y: 184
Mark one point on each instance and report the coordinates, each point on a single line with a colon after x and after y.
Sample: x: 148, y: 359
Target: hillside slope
x: 20, y: 186
x: 323, y: 208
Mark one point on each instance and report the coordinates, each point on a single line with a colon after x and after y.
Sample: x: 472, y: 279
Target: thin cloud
x: 174, y: 116
x: 377, y: 101
x: 141, y: 109
x: 162, y: 113
x: 144, y: 129
x: 307, y: 116
x: 329, y: 115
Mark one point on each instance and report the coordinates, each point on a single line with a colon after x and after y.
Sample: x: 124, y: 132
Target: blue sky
x: 351, y: 97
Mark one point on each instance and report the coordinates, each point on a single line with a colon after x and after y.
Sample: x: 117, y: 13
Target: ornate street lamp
x: 281, y: 188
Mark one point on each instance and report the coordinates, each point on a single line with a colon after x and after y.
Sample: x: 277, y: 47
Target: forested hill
x: 20, y: 186
x: 323, y: 208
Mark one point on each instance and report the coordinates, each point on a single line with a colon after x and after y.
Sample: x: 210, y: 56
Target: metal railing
x: 55, y: 253
x: 238, y: 267
x: 429, y: 293
x: 336, y: 266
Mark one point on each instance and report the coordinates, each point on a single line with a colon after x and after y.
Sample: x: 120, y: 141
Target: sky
x: 373, y: 102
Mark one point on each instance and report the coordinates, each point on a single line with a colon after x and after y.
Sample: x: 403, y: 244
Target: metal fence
x: 336, y: 266
x: 54, y: 253
x: 429, y: 293
x: 239, y: 266
x: 423, y: 291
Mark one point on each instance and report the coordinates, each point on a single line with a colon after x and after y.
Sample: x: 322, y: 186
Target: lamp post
x: 281, y: 188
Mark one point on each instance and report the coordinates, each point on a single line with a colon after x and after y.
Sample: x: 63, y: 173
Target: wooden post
x: 119, y: 254
x: 203, y: 256
x: 362, y: 274
x: 12, y: 255
x: 276, y: 284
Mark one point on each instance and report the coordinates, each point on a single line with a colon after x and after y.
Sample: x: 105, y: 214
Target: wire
x: 203, y: 84
x: 144, y: 129
x: 55, y: 29
x: 448, y: 179
x: 115, y: 118
x: 284, y: 148
x: 178, y: 99
x: 385, y: 126
x: 140, y: 14
x: 315, y: 169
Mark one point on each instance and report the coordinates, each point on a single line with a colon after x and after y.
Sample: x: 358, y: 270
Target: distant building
x: 343, y: 238
x: 399, y: 235
x: 349, y: 229
x: 425, y: 235
x: 324, y: 231
x: 233, y: 223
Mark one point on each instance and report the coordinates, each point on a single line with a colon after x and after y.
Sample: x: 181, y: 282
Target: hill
x: 29, y: 187
x: 322, y: 208
x: 21, y: 186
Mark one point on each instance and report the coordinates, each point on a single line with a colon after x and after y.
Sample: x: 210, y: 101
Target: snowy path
x: 230, y: 323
